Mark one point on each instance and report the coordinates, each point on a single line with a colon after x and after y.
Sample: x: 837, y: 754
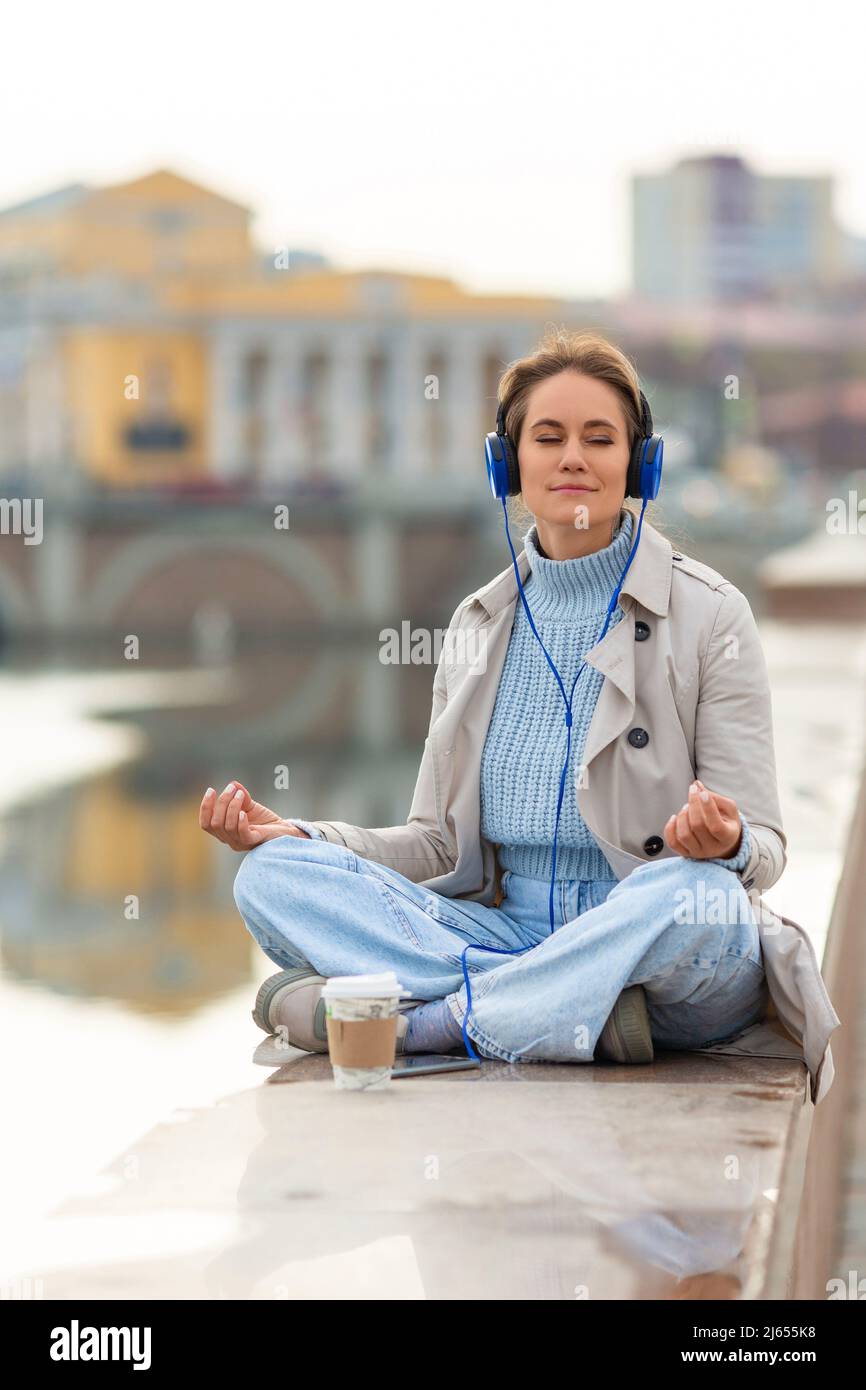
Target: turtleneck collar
x: 569, y: 589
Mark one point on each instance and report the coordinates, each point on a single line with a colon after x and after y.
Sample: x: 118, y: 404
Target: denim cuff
x: 312, y: 831
x: 737, y: 862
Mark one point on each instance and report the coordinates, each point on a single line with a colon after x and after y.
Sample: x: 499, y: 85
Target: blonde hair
x: 562, y: 350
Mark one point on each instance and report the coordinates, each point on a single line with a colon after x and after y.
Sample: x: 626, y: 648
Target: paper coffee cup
x: 361, y: 1019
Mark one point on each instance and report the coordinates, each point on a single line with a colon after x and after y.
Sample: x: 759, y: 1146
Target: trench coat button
x: 653, y: 844
x: 641, y: 631
x: 638, y: 738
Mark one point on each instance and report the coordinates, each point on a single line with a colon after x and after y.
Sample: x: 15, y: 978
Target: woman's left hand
x: 707, y: 827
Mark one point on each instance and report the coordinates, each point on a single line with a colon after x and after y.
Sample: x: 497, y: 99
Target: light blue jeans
x: 682, y: 928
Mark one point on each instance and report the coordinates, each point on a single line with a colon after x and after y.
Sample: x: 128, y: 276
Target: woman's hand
x: 707, y: 827
x: 235, y: 819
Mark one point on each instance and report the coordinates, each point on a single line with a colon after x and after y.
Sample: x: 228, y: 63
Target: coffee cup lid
x: 384, y: 986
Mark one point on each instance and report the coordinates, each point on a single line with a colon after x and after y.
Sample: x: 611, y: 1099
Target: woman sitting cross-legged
x: 511, y: 922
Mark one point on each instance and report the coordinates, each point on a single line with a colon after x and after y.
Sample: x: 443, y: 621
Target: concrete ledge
x: 537, y: 1181
x: 803, y: 1241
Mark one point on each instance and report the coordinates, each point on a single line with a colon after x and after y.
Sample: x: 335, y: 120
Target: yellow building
x: 151, y: 342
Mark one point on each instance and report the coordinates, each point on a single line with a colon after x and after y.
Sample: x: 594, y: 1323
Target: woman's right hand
x: 238, y: 821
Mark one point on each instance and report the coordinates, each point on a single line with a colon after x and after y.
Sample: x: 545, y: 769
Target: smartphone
x: 422, y: 1063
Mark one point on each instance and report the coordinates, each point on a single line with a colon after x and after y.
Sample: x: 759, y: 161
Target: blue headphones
x: 643, y: 480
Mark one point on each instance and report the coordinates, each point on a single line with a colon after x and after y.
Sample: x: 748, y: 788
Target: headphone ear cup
x: 632, y: 477
x: 513, y: 466
x: 651, y: 448
x: 496, y: 459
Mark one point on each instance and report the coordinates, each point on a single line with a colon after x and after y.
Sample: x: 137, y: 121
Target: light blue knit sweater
x: 525, y: 745
x: 526, y: 740
x: 524, y: 748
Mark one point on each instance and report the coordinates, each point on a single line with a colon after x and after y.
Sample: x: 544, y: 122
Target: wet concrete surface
x: 168, y: 1159
x: 539, y: 1181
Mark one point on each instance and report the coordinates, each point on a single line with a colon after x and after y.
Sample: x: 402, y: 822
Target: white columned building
x: 285, y: 443
x: 227, y: 351
x: 464, y: 449
x: 346, y: 406
x: 406, y: 407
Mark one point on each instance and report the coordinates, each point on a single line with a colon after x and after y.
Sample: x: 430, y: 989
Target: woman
x: 669, y: 814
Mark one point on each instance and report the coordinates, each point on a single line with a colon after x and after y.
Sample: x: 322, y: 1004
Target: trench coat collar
x: 648, y: 579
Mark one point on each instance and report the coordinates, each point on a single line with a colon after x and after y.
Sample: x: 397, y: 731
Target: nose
x: 572, y: 452
x: 572, y: 458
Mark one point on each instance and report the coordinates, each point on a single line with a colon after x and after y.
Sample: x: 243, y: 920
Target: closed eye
x: 551, y: 439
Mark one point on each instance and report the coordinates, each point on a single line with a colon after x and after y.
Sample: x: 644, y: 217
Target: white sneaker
x: 626, y: 1036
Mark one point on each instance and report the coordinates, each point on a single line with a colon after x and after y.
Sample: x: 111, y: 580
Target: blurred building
x: 147, y: 340
x: 712, y: 229
x: 164, y: 379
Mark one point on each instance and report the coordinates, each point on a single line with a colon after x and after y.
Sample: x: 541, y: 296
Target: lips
x: 574, y: 488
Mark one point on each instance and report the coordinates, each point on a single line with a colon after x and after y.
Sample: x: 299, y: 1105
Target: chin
x: 565, y: 504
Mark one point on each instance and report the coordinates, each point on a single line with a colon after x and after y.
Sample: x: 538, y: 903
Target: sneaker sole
x: 627, y: 1034
x: 274, y: 985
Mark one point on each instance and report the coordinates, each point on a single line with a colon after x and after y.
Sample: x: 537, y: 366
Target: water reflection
x: 463, y: 1190
x: 110, y: 889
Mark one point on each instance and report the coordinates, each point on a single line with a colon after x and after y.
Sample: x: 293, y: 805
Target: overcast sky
x: 488, y: 142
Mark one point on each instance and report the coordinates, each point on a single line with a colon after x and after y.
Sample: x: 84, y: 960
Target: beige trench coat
x: 697, y: 685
